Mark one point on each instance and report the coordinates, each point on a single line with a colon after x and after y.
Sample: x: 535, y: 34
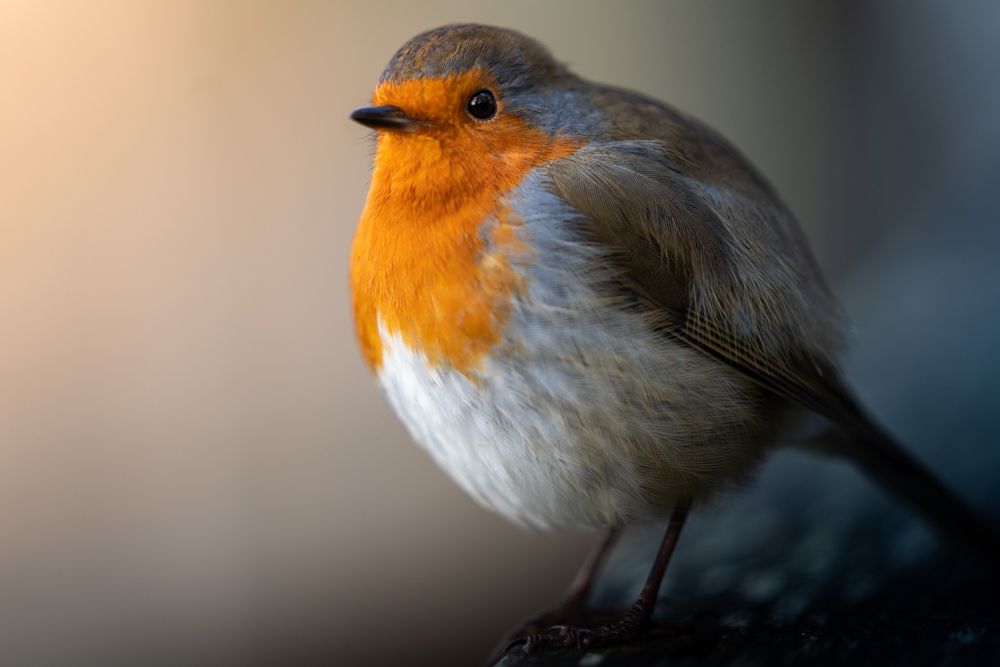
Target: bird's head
x: 473, y: 104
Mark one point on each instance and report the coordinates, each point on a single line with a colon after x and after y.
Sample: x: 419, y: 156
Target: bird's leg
x: 571, y: 607
x: 635, y: 619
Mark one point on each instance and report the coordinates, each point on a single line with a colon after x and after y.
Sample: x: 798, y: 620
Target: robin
x: 590, y: 309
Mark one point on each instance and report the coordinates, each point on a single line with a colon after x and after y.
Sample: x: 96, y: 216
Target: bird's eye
x: 482, y: 105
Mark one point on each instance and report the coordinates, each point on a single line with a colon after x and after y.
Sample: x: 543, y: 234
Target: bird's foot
x: 627, y: 627
x: 562, y: 616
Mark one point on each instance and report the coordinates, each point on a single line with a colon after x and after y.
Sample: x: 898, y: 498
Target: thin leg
x: 635, y: 619
x: 573, y: 602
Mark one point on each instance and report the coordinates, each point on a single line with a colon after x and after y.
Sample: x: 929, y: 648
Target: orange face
x: 419, y: 264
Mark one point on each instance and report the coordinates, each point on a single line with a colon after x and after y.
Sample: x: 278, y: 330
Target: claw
x: 508, y: 647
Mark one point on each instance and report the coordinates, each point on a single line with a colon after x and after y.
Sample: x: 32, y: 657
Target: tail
x: 882, y: 458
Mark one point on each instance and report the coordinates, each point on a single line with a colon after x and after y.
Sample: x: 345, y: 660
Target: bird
x: 592, y: 310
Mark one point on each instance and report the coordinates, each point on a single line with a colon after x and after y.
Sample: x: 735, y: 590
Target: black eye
x: 482, y: 105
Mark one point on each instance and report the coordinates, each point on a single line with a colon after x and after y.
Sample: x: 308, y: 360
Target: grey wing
x: 732, y: 274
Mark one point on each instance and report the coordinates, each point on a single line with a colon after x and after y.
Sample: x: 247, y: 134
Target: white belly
x: 547, y: 441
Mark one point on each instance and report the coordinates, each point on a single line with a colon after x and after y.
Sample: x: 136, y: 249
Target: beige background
x: 194, y: 465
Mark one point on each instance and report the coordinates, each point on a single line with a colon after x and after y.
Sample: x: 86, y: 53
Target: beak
x: 386, y: 118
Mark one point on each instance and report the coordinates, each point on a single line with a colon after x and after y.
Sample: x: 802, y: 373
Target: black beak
x: 386, y: 118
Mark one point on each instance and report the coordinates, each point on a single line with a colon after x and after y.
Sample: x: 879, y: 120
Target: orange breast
x: 419, y: 264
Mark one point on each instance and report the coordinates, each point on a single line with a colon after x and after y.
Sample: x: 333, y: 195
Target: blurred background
x: 196, y: 468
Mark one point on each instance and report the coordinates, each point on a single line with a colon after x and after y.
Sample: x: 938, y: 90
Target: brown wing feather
x: 735, y: 268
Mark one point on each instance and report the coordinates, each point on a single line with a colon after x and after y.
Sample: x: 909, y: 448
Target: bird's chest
x: 443, y: 332
x: 445, y: 291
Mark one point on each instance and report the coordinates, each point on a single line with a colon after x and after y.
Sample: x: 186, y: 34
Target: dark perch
x: 913, y: 620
